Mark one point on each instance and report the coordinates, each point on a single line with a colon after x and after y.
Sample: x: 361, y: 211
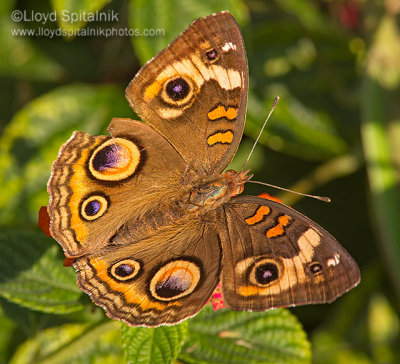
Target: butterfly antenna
x: 321, y: 198
x: 259, y: 134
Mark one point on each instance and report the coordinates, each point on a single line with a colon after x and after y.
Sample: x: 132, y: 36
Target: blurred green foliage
x: 336, y: 131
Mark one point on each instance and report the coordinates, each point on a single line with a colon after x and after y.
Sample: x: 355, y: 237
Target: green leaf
x: 6, y: 6
x: 225, y: 336
x: 332, y: 349
x: 294, y: 128
x: 153, y: 345
x: 31, y: 141
x: 160, y: 17
x: 19, y: 57
x: 73, y: 15
x: 73, y: 343
x: 381, y: 137
x: 383, y: 61
x: 6, y: 335
x: 32, y: 275
x: 307, y: 13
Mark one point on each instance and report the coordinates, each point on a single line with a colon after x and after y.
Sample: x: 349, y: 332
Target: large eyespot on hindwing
x: 115, y: 160
x: 258, y: 273
x: 264, y: 272
x: 178, y: 91
x: 94, y: 206
x: 125, y: 270
x: 175, y: 279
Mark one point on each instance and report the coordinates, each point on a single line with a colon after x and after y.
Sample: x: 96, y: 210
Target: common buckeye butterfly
x: 152, y: 222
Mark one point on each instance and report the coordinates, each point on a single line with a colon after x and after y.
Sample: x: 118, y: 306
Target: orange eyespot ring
x: 174, y: 280
x: 93, y: 207
x: 265, y: 272
x: 115, y: 160
x: 125, y: 270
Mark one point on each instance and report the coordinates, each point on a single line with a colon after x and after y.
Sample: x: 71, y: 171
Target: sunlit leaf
x: 153, y: 345
x: 225, y: 336
x: 73, y: 343
x: 383, y: 60
x: 383, y: 322
x: 32, y: 275
x: 380, y: 139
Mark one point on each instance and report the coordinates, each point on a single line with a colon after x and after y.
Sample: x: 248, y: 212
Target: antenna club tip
x: 275, y: 101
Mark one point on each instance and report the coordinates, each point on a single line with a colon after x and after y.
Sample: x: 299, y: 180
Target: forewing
x: 194, y: 92
x: 98, y: 183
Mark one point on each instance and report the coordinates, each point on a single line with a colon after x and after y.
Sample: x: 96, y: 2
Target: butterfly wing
x: 273, y: 256
x: 161, y: 279
x: 98, y: 183
x: 194, y: 92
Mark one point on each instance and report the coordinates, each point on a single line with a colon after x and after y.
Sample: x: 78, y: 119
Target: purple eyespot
x: 315, y: 268
x: 177, y: 89
x: 107, y: 158
x: 212, y: 55
x: 124, y: 270
x: 172, y: 287
x: 266, y: 273
x: 92, y: 207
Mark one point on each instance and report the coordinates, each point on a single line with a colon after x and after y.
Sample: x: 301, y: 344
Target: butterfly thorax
x: 218, y: 190
x: 199, y: 198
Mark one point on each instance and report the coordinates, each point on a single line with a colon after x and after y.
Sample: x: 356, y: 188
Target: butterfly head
x: 236, y: 180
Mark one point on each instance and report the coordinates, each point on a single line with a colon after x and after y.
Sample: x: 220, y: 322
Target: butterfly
x: 151, y: 219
